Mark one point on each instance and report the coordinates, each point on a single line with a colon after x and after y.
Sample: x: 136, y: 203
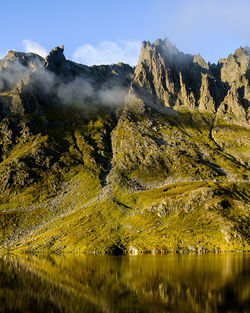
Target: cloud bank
x: 32, y: 46
x: 108, y: 52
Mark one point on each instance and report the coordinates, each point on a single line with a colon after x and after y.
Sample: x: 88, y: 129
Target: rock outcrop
x: 178, y: 79
x: 15, y: 66
x: 55, y: 61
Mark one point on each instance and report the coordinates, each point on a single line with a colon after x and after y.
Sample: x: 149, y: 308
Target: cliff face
x: 175, y: 111
x: 115, y: 159
x: 179, y: 79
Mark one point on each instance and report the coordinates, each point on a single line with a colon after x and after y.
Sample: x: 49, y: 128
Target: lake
x: 147, y: 283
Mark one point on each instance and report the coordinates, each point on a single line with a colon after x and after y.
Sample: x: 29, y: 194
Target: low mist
x: 77, y: 91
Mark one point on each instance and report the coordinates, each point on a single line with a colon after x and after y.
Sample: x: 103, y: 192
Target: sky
x: 110, y: 31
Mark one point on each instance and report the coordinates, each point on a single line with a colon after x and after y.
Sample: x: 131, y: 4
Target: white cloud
x: 108, y: 52
x: 32, y: 46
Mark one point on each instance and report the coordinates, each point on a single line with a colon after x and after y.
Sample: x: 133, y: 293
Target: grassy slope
x: 66, y: 209
x: 185, y: 216
x: 167, y: 147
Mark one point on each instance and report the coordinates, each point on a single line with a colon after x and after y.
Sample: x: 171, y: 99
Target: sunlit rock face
x: 111, y: 158
x: 179, y: 79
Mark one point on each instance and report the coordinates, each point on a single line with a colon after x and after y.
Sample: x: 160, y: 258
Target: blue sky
x: 108, y: 31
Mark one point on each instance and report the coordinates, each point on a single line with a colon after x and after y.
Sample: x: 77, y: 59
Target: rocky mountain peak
x: 177, y: 79
x: 166, y: 46
x: 15, y: 66
x: 235, y: 66
x: 11, y: 55
x: 55, y: 60
x: 247, y: 50
x: 197, y: 58
x: 25, y: 59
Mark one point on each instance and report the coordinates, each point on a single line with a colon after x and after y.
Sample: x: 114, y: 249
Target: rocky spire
x: 179, y: 79
x: 166, y: 46
x: 55, y: 61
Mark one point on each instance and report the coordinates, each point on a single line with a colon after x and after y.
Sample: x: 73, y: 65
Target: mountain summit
x: 55, y: 60
x: 183, y: 80
x: 116, y: 159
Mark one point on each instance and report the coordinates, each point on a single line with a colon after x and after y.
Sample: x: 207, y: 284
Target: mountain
x: 116, y: 159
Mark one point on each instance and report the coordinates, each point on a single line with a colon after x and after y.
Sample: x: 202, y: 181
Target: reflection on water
x: 149, y: 283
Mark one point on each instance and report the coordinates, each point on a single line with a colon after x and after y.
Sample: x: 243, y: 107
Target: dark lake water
x: 149, y: 283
